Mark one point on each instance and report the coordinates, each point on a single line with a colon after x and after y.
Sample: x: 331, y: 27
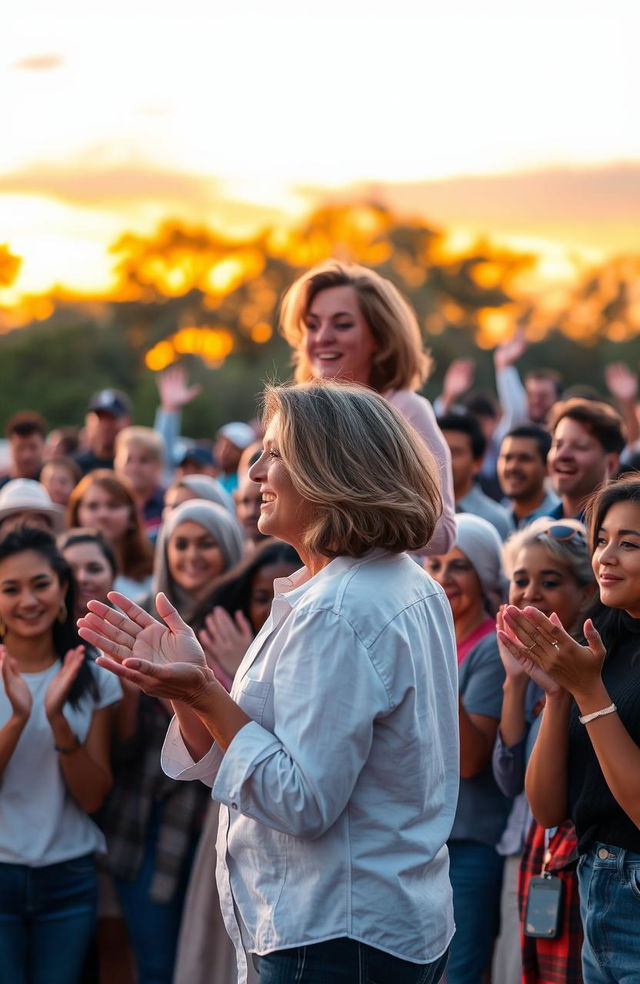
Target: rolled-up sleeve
x: 326, y: 696
x: 177, y: 763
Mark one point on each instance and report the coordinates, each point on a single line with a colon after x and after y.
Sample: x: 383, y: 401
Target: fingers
x: 114, y: 649
x: 246, y: 630
x: 530, y: 626
x: 119, y: 632
x: 134, y: 612
x: 594, y: 640
x: 169, y: 614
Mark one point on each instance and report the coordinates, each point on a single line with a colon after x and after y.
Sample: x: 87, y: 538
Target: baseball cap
x: 110, y: 401
x: 238, y: 433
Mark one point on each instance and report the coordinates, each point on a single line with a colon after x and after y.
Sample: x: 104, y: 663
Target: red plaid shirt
x: 554, y: 961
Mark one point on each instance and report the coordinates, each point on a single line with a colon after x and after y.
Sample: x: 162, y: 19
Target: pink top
x: 419, y: 413
x: 464, y: 646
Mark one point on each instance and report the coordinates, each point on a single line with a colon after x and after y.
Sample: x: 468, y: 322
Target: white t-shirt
x: 40, y: 823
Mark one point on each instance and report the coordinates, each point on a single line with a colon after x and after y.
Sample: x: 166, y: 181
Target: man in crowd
x: 522, y: 472
x: 108, y: 413
x: 26, y: 432
x: 587, y: 439
x: 139, y: 456
x: 467, y: 444
x: 543, y: 388
x: 231, y: 440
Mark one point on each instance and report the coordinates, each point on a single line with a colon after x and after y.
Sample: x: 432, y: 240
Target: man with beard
x: 522, y: 472
x: 587, y: 439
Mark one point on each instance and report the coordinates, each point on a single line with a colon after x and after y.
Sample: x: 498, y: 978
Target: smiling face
x: 194, y: 558
x: 521, y: 470
x: 284, y: 512
x: 578, y: 463
x: 247, y: 500
x: 337, y: 339
x: 91, y: 570
x: 540, y: 580
x: 101, y: 511
x: 616, y: 558
x: 30, y: 596
x: 457, y: 575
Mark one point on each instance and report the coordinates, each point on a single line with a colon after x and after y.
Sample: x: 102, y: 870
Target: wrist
x: 515, y: 684
x: 592, y: 699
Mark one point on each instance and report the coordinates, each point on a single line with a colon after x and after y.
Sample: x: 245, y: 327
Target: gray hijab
x: 222, y: 527
x: 206, y: 487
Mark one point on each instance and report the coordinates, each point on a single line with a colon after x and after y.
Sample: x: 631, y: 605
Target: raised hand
x: 16, y: 689
x: 510, y: 351
x: 552, y: 651
x: 174, y: 389
x: 225, y: 640
x: 622, y: 383
x: 58, y: 690
x: 458, y: 379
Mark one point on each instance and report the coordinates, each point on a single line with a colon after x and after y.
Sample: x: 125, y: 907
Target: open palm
x: 132, y: 633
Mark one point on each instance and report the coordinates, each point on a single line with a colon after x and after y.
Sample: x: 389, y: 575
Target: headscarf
x: 222, y: 527
x: 481, y: 544
x: 206, y: 487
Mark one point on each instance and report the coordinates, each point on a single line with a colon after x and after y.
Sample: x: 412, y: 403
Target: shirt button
x: 603, y: 853
x: 234, y: 806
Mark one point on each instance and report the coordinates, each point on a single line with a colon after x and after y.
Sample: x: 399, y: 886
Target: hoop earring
x: 62, y: 612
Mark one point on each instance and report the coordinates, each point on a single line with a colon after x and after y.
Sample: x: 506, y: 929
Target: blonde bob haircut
x: 368, y: 474
x: 399, y: 363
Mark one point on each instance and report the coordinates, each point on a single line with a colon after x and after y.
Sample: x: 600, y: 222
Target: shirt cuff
x: 250, y: 746
x: 177, y: 763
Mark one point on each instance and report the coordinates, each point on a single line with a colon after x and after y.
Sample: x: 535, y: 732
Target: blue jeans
x: 344, y: 961
x: 47, y: 921
x: 609, y: 883
x: 476, y: 878
x: 153, y: 926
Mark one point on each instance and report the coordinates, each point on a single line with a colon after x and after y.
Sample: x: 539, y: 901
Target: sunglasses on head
x: 563, y: 533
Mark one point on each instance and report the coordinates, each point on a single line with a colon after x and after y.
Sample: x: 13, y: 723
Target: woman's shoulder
x: 372, y: 589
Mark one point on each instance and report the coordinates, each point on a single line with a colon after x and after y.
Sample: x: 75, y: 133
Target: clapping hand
x: 60, y: 686
x: 225, y: 640
x: 16, y: 689
x: 164, y: 660
x: 549, y: 654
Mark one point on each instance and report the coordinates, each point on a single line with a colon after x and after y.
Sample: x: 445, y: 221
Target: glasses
x: 563, y: 533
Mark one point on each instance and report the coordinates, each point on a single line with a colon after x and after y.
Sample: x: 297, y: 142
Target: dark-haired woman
x: 55, y: 712
x: 586, y: 761
x: 93, y: 564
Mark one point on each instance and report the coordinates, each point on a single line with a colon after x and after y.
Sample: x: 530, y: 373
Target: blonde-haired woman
x: 335, y: 757
x: 347, y: 322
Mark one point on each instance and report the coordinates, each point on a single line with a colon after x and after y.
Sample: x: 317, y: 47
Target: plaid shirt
x: 140, y: 786
x: 556, y: 961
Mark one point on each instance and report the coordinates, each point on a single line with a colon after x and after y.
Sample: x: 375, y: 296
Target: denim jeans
x: 609, y: 882
x: 47, y: 921
x: 476, y: 878
x: 344, y: 961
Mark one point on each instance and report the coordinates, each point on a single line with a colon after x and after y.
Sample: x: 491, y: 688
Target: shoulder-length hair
x: 64, y: 632
x: 135, y: 553
x: 399, y: 363
x: 368, y: 474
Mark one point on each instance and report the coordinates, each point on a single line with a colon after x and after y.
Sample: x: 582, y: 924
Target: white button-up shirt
x: 339, y: 796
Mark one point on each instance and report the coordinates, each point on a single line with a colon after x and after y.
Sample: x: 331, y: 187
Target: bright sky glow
x: 116, y: 115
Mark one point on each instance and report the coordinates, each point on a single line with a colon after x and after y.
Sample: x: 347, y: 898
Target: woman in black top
x: 586, y: 761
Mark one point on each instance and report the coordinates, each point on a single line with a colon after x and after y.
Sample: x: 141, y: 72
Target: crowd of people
x: 373, y: 660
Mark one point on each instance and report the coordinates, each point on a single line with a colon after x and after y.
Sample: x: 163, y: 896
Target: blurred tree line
x: 192, y: 295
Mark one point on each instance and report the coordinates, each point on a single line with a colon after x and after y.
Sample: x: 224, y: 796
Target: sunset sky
x: 517, y: 119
